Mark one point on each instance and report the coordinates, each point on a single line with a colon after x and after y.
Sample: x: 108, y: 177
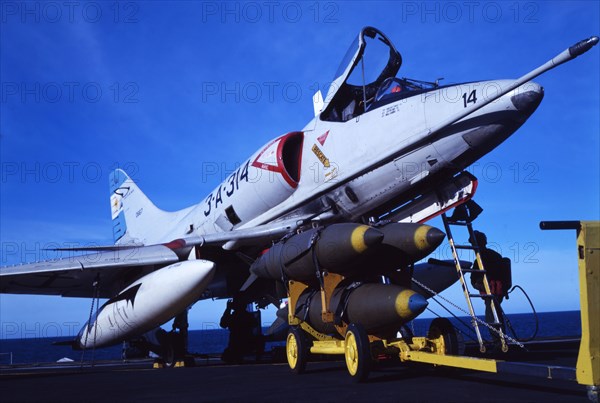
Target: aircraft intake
x: 377, y: 307
x: 147, y: 303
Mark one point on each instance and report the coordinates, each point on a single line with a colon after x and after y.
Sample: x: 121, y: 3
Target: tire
x: 357, y: 353
x: 407, y: 334
x: 443, y: 327
x: 296, y: 349
x: 172, y: 350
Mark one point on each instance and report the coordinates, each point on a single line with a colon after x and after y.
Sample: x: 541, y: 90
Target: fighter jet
x: 346, y: 195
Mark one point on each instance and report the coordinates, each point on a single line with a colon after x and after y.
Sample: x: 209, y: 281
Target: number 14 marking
x: 471, y: 99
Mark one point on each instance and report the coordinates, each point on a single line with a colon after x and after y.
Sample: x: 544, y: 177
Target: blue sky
x: 174, y: 92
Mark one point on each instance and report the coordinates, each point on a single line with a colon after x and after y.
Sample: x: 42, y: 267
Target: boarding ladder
x: 465, y: 220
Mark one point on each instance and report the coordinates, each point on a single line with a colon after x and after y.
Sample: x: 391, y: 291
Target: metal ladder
x: 467, y: 222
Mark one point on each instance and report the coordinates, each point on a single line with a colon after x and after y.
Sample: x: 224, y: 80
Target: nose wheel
x: 357, y: 352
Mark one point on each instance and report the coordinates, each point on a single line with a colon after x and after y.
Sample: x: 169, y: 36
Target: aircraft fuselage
x: 374, y: 160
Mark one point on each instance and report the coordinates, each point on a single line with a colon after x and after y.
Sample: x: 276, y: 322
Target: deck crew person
x: 497, y: 271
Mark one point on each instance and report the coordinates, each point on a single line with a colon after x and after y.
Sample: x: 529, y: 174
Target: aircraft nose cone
x: 417, y: 304
x: 529, y: 97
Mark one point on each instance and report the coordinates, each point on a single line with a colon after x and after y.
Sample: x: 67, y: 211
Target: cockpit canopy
x: 370, y: 60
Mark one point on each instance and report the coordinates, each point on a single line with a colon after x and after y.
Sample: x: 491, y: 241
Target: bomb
x: 333, y: 248
x: 376, y: 307
x: 348, y: 249
x: 404, y: 244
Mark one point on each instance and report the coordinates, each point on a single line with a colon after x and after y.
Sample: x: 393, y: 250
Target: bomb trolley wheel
x: 448, y: 340
x: 357, y: 352
x: 296, y: 348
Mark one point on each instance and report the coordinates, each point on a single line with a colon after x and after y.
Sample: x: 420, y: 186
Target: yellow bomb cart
x: 331, y: 313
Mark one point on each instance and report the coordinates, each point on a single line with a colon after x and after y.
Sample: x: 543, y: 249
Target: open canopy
x: 369, y: 61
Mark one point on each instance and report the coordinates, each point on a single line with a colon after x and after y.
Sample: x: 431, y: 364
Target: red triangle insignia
x: 323, y: 137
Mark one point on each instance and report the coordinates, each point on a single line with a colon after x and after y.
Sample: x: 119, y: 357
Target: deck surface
x: 212, y: 380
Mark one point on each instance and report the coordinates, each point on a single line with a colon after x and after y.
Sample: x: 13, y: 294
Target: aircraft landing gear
x: 174, y: 344
x: 245, y: 335
x: 173, y: 349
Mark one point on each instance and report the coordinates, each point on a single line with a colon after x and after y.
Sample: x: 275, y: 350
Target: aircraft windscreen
x: 347, y: 58
x: 393, y: 89
x: 375, y: 58
x: 370, y: 59
x: 393, y: 86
